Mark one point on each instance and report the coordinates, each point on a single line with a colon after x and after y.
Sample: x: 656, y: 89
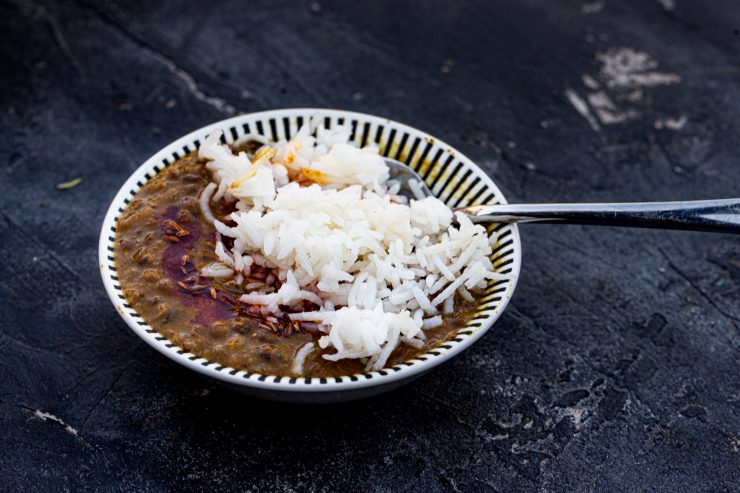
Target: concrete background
x: 614, y: 369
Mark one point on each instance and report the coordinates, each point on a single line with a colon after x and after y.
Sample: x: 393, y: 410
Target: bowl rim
x: 282, y: 383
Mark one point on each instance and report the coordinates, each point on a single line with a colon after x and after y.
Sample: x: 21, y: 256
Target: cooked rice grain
x: 343, y: 242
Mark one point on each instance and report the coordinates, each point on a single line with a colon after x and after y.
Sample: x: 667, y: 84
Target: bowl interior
x: 451, y: 176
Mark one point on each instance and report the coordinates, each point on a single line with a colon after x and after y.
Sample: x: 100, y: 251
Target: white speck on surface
x: 35, y: 259
x: 357, y: 96
x: 315, y: 7
x: 170, y: 104
x: 582, y: 108
x: 447, y: 65
x: 528, y: 424
x: 590, y: 82
x: 577, y: 415
x: 671, y: 123
x: 490, y: 164
x: 607, y: 112
x: 192, y: 86
x: 593, y: 7
x: 511, y: 144
x: 617, y: 93
x: 530, y: 166
x: 625, y: 68
x: 515, y: 421
x: 668, y: 5
x: 50, y: 417
x: 495, y: 438
x: 634, y: 96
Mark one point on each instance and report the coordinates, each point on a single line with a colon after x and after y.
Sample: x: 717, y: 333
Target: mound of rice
x: 321, y: 214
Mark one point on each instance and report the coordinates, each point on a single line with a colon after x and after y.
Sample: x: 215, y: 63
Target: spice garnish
x: 183, y: 265
x: 175, y: 229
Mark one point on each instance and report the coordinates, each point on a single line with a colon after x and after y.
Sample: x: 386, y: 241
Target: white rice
x: 416, y: 189
x: 317, y: 210
x: 300, y: 357
x: 431, y: 323
x: 217, y: 269
x: 289, y: 294
x: 205, y: 199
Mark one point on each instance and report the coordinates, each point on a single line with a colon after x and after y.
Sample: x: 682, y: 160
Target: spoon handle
x: 721, y: 216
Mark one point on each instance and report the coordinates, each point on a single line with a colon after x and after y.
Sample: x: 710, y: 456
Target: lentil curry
x: 163, y: 240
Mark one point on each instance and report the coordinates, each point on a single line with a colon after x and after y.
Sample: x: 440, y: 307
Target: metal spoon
x: 721, y: 215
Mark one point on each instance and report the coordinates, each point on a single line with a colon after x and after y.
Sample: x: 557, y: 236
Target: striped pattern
x: 450, y: 175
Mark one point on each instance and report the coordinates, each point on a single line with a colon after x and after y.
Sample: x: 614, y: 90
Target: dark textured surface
x: 616, y: 368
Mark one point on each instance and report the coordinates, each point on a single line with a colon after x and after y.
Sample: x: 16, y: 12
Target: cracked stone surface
x: 615, y: 368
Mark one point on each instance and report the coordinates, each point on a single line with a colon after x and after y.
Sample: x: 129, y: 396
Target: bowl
x: 451, y: 176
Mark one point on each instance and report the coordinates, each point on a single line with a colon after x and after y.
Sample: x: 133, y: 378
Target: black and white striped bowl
x: 452, y: 177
